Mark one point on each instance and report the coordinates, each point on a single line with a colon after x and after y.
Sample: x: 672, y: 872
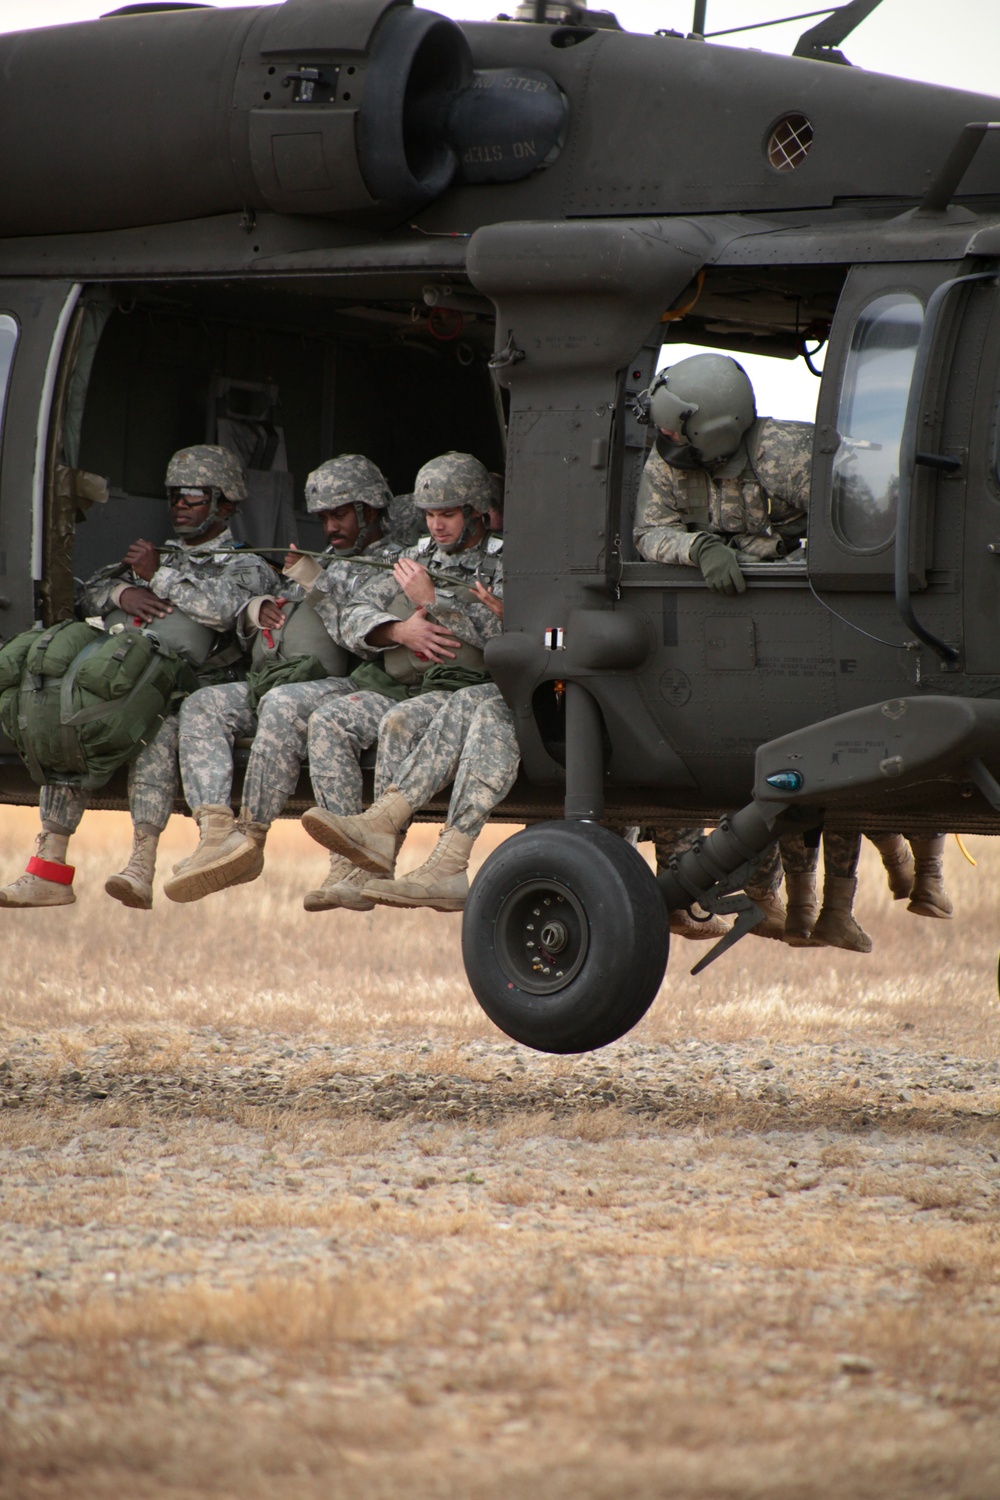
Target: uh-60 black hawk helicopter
x: 418, y: 235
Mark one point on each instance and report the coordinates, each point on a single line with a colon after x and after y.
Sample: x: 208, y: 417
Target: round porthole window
x: 789, y: 143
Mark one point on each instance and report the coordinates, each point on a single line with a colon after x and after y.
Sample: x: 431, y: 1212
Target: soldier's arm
x: 660, y: 533
x: 100, y: 593
x: 365, y: 612
x: 217, y: 594
x: 464, y: 615
x: 784, y: 468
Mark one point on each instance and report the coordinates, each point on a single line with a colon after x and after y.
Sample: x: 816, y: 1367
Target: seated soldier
x: 350, y: 495
x: 470, y: 742
x: 201, y: 578
x: 438, y: 582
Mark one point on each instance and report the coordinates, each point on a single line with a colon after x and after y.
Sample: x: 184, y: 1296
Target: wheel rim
x: 541, y: 936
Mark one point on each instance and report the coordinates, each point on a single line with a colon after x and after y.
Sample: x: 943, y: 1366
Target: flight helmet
x: 709, y: 400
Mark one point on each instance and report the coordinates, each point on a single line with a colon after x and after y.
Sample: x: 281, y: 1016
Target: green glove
x: 718, y: 564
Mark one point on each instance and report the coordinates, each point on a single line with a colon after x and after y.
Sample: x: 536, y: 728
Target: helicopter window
x: 8, y: 342
x: 789, y: 143
x: 870, y: 420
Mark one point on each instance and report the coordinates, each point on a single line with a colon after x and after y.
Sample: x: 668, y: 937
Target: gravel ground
x: 273, y: 1266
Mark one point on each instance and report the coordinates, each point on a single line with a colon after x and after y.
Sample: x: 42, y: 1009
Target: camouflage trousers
x: 338, y: 732
x: 153, y: 784
x: 469, y: 741
x: 213, y: 718
x: 841, y: 852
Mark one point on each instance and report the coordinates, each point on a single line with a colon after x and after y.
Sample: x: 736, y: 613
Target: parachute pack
x: 78, y: 702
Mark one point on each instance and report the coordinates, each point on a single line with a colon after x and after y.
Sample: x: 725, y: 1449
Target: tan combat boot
x: 803, y: 908
x: 133, y: 886
x: 48, y: 879
x: 835, y: 926
x: 772, y: 924
x: 257, y: 834
x: 928, y: 897
x: 897, y: 861
x: 342, y: 887
x: 224, y: 856
x: 369, y: 839
x: 688, y: 924
x: 441, y: 882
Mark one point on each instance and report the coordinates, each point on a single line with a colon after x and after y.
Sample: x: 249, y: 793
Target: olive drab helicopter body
x: 349, y: 225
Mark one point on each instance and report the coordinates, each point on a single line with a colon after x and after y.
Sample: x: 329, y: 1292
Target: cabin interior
x: 395, y: 368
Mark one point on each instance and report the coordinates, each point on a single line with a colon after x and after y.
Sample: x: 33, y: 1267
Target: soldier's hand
x: 271, y: 615
x: 415, y: 581
x: 719, y: 566
x: 144, y: 605
x: 425, y: 637
x: 143, y: 558
x: 491, y: 601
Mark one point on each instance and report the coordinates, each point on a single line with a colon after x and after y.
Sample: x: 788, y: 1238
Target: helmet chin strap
x: 192, y: 533
x: 471, y: 517
x: 368, y: 532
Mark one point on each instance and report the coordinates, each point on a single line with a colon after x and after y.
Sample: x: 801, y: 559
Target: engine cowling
x: 360, y: 109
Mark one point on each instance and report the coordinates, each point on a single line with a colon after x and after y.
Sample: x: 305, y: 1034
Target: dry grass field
x: 283, y: 1216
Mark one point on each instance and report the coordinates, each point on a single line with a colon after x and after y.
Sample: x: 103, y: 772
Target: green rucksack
x: 79, y: 702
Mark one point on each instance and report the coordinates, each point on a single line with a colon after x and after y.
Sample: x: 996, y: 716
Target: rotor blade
x: 830, y: 33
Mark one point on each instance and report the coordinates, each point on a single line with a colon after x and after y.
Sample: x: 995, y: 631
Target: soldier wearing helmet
x: 191, y: 592
x: 298, y: 661
x: 720, y: 480
x: 429, y: 620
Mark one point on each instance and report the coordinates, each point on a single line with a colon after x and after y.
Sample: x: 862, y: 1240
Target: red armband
x: 48, y: 869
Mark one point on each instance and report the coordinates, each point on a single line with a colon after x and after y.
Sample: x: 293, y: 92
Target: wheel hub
x: 541, y: 936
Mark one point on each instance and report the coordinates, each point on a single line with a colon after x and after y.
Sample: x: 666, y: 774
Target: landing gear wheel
x: 565, y: 937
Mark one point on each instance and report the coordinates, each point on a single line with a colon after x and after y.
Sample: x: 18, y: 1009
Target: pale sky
x: 950, y: 42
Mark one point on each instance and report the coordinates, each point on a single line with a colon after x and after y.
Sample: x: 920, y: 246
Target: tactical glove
x: 718, y: 564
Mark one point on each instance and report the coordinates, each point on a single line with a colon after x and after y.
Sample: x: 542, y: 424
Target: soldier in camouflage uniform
x: 470, y: 742
x: 351, y: 496
x: 721, y: 481
x: 455, y: 493
x: 202, y: 576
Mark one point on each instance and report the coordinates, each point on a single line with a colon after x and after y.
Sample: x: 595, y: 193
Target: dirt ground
x: 282, y: 1215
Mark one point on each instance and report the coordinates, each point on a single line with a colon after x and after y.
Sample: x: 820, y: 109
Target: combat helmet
x: 709, y: 400
x: 206, y: 466
x: 455, y: 479
x: 349, y: 479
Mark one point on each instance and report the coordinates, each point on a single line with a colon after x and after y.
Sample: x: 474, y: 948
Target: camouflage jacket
x: 757, y: 500
x: 209, y: 581
x: 453, y: 607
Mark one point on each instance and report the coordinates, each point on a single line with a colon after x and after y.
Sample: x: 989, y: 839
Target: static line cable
x: 896, y: 645
x: 386, y: 564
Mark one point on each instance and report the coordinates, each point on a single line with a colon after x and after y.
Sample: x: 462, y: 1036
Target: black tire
x: 596, y: 902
